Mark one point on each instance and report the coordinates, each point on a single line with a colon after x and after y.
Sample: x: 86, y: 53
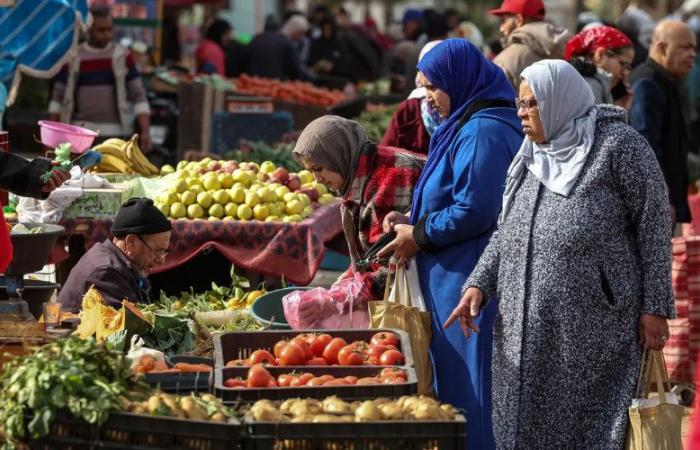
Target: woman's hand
x: 392, y: 219
x: 466, y: 311
x: 653, y: 331
x: 58, y: 177
x: 403, y: 247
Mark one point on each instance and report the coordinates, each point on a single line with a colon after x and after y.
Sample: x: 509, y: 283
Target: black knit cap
x: 139, y: 216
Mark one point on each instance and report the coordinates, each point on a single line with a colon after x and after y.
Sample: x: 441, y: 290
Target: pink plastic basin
x: 54, y: 134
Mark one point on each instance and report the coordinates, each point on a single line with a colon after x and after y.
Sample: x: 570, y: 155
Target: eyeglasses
x: 527, y: 104
x: 161, y: 254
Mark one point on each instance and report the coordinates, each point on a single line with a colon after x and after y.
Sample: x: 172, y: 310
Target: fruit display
x: 291, y: 91
x: 260, y: 377
x: 195, y: 407
x: 120, y: 156
x: 376, y: 121
x: 228, y: 190
x: 82, y: 377
x: 334, y: 409
x: 323, y: 349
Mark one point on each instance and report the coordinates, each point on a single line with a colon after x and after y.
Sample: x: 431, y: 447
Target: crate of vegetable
x: 407, y: 423
x: 182, y: 375
x: 155, y: 431
x: 384, y: 347
x: 243, y: 384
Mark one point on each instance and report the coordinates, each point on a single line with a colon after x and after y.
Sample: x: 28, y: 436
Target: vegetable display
x: 324, y: 349
x: 376, y: 121
x: 149, y: 364
x: 333, y: 409
x: 81, y: 376
x: 291, y: 91
x: 260, y: 377
x: 259, y: 152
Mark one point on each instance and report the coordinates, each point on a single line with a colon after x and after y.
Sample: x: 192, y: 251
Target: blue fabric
x: 431, y: 119
x: 38, y: 35
x: 457, y: 67
x: 460, y: 196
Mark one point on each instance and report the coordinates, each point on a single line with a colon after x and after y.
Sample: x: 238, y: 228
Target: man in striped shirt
x: 101, y: 88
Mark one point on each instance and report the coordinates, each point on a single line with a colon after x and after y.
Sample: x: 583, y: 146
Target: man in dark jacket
x: 657, y: 108
x: 23, y: 177
x: 119, y: 268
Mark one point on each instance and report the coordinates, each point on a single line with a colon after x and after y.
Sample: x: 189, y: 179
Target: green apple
x: 267, y: 195
x: 272, y: 219
x: 216, y: 210
x: 211, y: 183
x: 195, y: 211
x: 289, y: 196
x: 197, y: 189
x: 194, y: 181
x: 182, y: 174
x: 306, y: 176
x: 162, y: 207
x: 294, y: 207
x: 225, y: 180
x: 267, y: 167
x: 244, y: 212
x: 230, y: 209
x: 188, y: 197
x: 181, y: 165
x: 221, y: 197
x: 326, y: 199
x: 274, y: 209
x: 205, y: 199
x: 237, y: 194
x: 308, y: 210
x: 292, y: 219
x: 171, y: 197
x: 280, y: 191
x: 304, y: 199
x: 229, y: 218
x: 321, y: 188
x: 261, y: 212
x: 239, y: 185
x: 180, y: 186
x: 178, y: 210
x: 167, y: 169
x: 252, y: 199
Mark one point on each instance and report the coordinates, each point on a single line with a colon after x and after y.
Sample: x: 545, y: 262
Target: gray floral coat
x: 573, y: 275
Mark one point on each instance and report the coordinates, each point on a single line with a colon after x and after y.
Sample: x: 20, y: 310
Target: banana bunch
x: 120, y: 156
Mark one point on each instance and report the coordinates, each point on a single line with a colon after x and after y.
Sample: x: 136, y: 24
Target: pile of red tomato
x: 326, y: 350
x: 260, y: 377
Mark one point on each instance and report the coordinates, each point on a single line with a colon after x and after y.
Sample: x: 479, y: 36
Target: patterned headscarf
x: 567, y: 110
x: 588, y: 41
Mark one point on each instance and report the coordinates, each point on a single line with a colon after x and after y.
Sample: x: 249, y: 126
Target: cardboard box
x: 101, y: 204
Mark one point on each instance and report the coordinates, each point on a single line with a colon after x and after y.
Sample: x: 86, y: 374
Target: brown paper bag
x: 654, y: 424
x: 404, y: 309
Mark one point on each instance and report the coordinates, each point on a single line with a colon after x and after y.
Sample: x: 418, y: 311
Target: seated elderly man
x: 119, y: 268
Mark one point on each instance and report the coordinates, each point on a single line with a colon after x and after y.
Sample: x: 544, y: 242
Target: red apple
x: 312, y: 193
x: 214, y: 166
x: 294, y: 183
x: 263, y: 176
x: 280, y: 175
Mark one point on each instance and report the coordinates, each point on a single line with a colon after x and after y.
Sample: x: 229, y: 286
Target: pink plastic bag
x: 342, y: 306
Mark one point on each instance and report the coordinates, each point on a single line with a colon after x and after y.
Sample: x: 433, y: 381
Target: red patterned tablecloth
x: 270, y: 248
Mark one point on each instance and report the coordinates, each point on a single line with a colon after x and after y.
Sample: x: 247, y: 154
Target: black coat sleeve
x: 21, y: 176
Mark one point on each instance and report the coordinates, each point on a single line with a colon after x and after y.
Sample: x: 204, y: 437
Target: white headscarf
x: 419, y: 91
x: 568, y: 114
x: 296, y: 23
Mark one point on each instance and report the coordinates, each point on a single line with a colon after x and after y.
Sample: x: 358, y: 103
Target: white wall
x: 248, y: 16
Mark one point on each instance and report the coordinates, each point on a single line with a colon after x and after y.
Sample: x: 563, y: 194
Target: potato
x: 155, y: 405
x: 367, y: 412
x: 449, y: 410
x: 391, y: 411
x: 303, y: 419
x: 218, y: 417
x: 428, y: 411
x: 306, y: 407
x: 334, y: 405
x: 381, y: 400
x: 192, y: 409
x: 171, y: 403
x: 324, y: 418
x: 286, y: 406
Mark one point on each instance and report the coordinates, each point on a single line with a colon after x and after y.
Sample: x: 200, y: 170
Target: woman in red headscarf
x: 603, y: 56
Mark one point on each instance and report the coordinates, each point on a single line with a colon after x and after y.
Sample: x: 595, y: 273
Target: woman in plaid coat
x: 372, y: 180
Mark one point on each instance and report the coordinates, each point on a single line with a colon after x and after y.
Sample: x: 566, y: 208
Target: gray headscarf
x: 568, y: 114
x: 335, y: 143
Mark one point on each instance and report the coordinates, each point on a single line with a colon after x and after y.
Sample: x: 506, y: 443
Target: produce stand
x: 294, y: 251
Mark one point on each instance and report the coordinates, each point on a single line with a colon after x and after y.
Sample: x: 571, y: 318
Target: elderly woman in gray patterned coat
x: 582, y: 264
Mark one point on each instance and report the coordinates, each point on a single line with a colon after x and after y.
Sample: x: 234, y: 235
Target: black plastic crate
x: 240, y: 344
x: 385, y: 435
x: 185, y: 382
x: 363, y: 392
x: 141, y: 432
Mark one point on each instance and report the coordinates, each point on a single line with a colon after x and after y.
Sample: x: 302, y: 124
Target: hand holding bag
x: 654, y: 424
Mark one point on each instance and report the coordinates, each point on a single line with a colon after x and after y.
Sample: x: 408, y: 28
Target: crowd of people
x: 535, y: 189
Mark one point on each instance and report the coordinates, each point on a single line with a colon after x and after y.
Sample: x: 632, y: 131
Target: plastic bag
x: 138, y: 351
x: 342, y: 306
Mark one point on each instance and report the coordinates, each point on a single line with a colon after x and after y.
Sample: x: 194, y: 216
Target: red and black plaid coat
x: 384, y: 181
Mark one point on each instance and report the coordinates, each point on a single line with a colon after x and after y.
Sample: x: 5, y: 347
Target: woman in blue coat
x: 454, y: 211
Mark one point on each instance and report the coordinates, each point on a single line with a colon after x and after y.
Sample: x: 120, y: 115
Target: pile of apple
x: 229, y: 190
